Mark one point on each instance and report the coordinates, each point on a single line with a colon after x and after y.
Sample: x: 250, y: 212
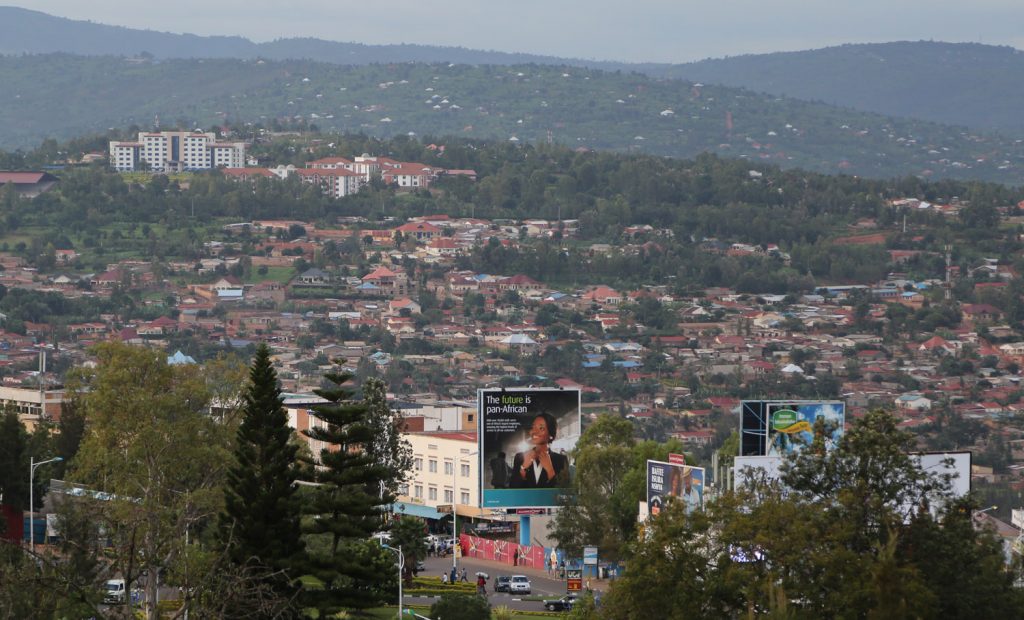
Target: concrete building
x: 176, y: 151
x: 444, y: 471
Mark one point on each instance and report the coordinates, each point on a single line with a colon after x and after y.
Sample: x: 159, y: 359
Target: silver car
x: 519, y: 584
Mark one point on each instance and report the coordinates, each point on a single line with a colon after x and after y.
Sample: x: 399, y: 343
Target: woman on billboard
x: 539, y: 467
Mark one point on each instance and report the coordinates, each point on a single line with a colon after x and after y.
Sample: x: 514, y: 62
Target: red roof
x: 23, y: 178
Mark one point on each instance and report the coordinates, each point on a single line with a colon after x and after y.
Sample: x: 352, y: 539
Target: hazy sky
x: 636, y: 30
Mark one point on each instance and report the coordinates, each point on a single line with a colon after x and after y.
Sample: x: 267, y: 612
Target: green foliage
x: 461, y: 607
x: 346, y: 507
x: 260, y: 521
x: 408, y: 534
x: 857, y: 532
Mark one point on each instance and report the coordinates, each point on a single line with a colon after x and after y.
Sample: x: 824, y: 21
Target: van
x: 114, y: 592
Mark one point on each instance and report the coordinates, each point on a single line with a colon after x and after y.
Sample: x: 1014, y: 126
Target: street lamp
x: 455, y: 511
x: 32, y: 465
x: 401, y: 573
x: 978, y: 512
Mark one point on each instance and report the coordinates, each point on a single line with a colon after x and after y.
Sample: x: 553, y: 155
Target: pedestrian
x: 515, y: 557
x: 444, y: 578
x: 464, y: 580
x: 588, y: 585
x: 481, y: 585
x: 455, y: 577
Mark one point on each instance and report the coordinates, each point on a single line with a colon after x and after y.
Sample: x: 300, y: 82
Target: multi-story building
x: 175, y: 151
x: 445, y: 471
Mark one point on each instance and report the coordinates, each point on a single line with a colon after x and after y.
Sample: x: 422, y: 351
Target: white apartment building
x: 444, y: 472
x: 176, y: 151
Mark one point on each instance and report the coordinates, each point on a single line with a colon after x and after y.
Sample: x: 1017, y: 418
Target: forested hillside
x: 62, y: 95
x: 980, y: 86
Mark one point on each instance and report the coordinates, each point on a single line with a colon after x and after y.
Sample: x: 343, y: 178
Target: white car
x: 114, y: 592
x: 519, y: 584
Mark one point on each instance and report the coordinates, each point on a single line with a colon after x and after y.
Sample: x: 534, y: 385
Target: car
x: 114, y: 592
x: 561, y: 604
x: 519, y: 584
x: 502, y: 584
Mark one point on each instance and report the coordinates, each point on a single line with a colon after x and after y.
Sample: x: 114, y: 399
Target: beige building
x: 445, y: 468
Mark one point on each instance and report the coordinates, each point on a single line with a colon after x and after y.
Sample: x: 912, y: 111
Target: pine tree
x: 388, y: 447
x: 260, y: 524
x: 347, y: 506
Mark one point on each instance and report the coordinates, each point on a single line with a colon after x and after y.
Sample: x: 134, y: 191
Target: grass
x: 274, y: 274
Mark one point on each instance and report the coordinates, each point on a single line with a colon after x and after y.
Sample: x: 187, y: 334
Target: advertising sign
x: 673, y: 482
x: 590, y: 556
x: 525, y: 439
x: 778, y: 428
x: 573, y: 580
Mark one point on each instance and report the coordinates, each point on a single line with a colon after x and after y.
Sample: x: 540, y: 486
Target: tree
x: 14, y: 461
x: 261, y: 517
x: 859, y: 531
x: 388, y: 448
x: 346, y: 506
x: 408, y: 534
x: 155, y: 453
x: 457, y: 606
x: 601, y: 512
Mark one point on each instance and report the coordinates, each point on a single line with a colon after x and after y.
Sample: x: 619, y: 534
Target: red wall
x: 501, y: 551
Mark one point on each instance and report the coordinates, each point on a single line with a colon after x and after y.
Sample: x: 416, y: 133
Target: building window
x: 433, y: 466
x: 418, y: 491
x: 449, y: 468
x: 417, y: 464
x: 448, y: 494
x: 403, y: 489
x: 464, y: 470
x: 465, y: 498
x: 432, y: 494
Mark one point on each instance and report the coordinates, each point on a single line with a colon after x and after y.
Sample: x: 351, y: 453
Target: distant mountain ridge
x: 23, y: 31
x: 980, y: 86
x: 64, y: 96
x: 973, y: 85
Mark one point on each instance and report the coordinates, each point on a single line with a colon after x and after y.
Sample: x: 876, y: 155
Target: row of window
x: 417, y: 492
x: 432, y: 467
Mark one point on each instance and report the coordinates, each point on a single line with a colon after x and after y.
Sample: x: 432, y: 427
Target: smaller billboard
x: 573, y: 580
x: 674, y: 482
x: 590, y: 556
x: 778, y: 428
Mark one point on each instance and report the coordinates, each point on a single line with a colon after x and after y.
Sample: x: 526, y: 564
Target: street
x: 542, y: 584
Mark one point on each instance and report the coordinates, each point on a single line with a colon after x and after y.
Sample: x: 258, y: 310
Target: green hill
x: 981, y: 86
x: 61, y: 96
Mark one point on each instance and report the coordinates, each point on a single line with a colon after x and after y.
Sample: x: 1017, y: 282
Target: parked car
x: 561, y: 604
x: 502, y: 584
x: 519, y: 584
x: 114, y: 592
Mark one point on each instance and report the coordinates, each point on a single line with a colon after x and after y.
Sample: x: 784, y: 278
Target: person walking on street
x: 444, y: 578
x: 455, y: 576
x: 481, y: 586
x: 463, y: 579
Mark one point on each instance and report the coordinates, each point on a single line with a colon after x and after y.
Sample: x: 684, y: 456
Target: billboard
x: 674, y: 482
x: 526, y: 436
x: 780, y: 427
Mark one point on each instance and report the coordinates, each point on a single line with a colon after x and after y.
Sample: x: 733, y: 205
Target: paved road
x: 542, y: 584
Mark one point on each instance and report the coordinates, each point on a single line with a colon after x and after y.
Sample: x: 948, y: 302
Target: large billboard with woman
x: 526, y: 436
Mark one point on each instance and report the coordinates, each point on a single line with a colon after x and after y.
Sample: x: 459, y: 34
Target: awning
x: 416, y: 510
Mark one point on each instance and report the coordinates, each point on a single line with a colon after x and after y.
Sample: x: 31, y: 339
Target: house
x: 913, y: 402
x: 28, y: 184
x: 420, y: 231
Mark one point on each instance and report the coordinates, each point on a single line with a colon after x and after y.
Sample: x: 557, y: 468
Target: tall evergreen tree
x: 388, y: 447
x: 261, y: 520
x: 347, y: 505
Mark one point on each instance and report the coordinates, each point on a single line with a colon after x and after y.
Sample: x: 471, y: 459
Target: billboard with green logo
x: 777, y: 428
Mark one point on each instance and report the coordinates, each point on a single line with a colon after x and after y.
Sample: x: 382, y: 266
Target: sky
x: 631, y: 30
